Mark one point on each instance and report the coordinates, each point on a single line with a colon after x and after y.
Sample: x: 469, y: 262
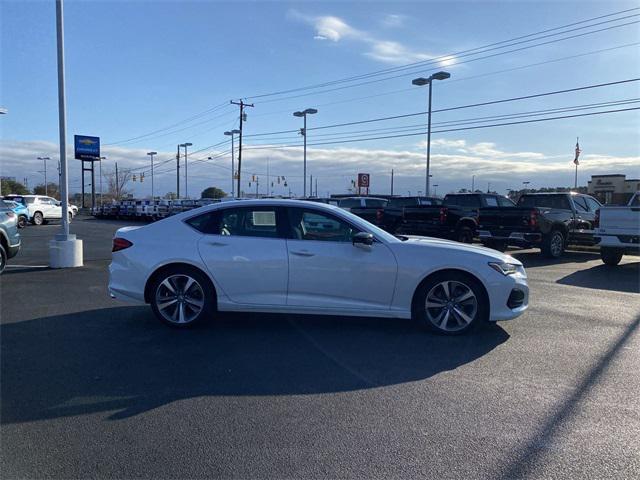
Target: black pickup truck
x: 456, y: 218
x: 550, y: 221
x: 390, y: 217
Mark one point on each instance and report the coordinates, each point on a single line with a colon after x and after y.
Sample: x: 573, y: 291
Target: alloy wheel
x: 556, y: 244
x: 180, y: 299
x: 451, y: 306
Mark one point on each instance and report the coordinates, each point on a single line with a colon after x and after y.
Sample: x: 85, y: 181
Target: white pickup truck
x: 618, y: 232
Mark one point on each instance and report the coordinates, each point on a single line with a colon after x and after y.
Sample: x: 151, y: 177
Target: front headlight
x: 506, y: 268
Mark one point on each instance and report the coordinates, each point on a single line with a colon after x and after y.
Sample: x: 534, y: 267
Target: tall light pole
x: 186, y: 173
x: 421, y: 82
x: 303, y: 131
x: 44, y: 160
x: 232, y: 133
x: 151, y: 154
x: 100, y: 173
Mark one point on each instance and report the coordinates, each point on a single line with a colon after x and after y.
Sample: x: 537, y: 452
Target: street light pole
x: 303, y: 131
x: 186, y: 176
x: 151, y: 154
x: 44, y: 160
x: 421, y: 82
x: 100, y: 173
x: 232, y: 133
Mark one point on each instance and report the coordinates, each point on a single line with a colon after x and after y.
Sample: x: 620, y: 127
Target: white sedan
x: 290, y: 256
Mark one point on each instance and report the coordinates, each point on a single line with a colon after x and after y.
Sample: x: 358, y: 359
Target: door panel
x: 247, y: 255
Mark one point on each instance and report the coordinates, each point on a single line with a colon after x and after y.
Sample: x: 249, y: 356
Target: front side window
x: 491, y: 201
x: 307, y: 224
x: 592, y: 204
x: 580, y: 204
x: 505, y: 202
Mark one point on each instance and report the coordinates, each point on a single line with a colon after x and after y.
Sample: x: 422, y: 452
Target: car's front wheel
x: 38, y: 218
x: 182, y: 297
x: 22, y: 221
x: 451, y: 303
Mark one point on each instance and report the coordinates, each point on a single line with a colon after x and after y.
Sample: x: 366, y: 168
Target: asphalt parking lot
x: 94, y: 388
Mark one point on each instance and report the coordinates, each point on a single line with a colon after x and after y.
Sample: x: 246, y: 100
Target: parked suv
x: 9, y: 236
x: 19, y: 209
x: 42, y: 209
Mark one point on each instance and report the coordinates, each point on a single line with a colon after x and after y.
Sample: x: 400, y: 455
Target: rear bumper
x: 628, y: 243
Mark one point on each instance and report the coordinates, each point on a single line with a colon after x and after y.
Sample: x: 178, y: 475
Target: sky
x: 145, y: 76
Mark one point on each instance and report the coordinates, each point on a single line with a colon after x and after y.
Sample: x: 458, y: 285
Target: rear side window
x: 28, y: 200
x: 206, y: 223
x: 491, y: 201
x: 249, y: 222
x: 545, y: 201
x: 349, y: 203
x: 463, y: 200
x: 505, y: 202
x: 375, y: 203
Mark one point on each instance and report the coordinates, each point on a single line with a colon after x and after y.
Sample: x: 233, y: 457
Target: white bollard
x: 65, y: 252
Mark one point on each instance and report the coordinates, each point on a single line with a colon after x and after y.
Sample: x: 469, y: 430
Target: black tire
x: 38, y: 218
x: 553, y: 244
x: 498, y: 245
x: 610, y: 256
x: 461, y: 317
x: 22, y: 221
x: 70, y: 215
x: 3, y: 258
x: 464, y: 235
x: 201, y: 291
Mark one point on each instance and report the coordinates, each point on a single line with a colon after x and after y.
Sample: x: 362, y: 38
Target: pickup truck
x: 618, y: 231
x: 456, y: 218
x: 364, y: 207
x: 390, y: 217
x: 550, y: 221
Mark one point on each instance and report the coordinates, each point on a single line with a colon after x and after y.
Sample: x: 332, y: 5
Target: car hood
x: 414, y: 241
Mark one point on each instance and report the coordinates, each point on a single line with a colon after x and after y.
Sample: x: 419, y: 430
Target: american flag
x: 578, y: 151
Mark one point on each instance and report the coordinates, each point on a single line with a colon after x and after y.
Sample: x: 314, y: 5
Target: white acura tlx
x: 291, y: 256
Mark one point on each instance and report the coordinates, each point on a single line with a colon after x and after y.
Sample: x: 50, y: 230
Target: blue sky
x: 136, y: 67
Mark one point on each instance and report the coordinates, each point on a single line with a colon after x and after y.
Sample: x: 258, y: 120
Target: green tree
x: 51, y: 190
x: 11, y: 186
x: 213, y: 192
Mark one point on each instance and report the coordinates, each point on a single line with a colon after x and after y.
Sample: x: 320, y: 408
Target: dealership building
x: 615, y: 188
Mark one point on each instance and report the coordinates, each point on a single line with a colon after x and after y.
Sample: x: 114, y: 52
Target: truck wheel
x: 464, y: 235
x: 610, y: 256
x: 38, y: 219
x: 553, y: 244
x: 496, y: 245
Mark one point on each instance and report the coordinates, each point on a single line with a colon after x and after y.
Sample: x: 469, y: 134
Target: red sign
x: 363, y: 180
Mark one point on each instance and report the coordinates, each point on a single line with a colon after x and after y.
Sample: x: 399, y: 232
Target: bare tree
x: 117, y: 188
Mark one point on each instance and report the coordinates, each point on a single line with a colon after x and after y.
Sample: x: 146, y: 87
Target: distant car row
x: 148, y: 210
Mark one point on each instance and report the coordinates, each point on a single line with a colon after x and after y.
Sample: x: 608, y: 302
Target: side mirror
x: 363, y: 238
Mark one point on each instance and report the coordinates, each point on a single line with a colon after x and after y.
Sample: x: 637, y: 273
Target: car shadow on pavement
x: 621, y: 278
x: 122, y: 360
x: 532, y: 259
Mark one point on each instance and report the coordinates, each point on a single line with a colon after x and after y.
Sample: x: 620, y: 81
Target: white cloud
x: 336, y: 29
x: 393, y: 20
x: 453, y: 161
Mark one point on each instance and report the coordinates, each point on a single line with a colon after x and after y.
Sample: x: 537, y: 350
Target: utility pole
x: 178, y: 173
x: 311, y: 185
x: 117, y: 183
x: 316, y: 187
x: 44, y: 160
x: 232, y: 134
x: 392, y: 182
x: 241, y: 104
x: 186, y: 173
x: 101, y: 159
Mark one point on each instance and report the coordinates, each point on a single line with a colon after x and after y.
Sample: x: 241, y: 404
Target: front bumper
x: 508, y: 296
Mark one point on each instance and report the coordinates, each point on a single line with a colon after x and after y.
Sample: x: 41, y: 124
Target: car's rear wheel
x: 38, y: 219
x: 3, y: 258
x: 182, y: 297
x: 610, y: 256
x: 553, y: 244
x: 451, y: 303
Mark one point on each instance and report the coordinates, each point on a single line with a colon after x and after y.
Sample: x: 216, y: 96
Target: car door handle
x: 303, y: 253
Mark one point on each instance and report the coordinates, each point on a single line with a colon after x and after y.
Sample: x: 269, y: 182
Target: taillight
x: 443, y: 215
x: 533, y: 219
x: 379, y: 214
x: 120, y: 244
x: 596, y: 221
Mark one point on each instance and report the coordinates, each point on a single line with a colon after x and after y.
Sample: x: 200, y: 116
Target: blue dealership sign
x: 87, y: 148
